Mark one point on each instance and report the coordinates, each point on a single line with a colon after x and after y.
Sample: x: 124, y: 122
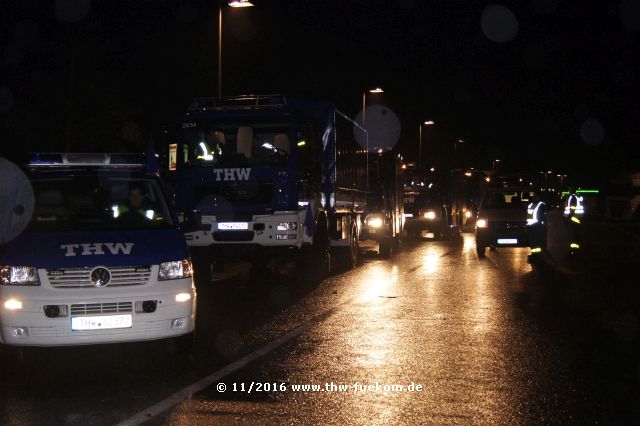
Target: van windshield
x: 506, y: 200
x: 81, y: 203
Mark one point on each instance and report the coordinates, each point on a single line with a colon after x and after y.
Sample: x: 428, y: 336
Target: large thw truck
x: 264, y: 176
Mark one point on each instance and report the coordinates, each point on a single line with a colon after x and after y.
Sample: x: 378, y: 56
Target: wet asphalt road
x: 488, y: 341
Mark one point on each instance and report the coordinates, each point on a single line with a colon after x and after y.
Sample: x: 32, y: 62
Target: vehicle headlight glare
x: 13, y: 305
x: 175, y: 270
x: 482, y: 223
x: 183, y: 297
x: 375, y: 222
x: 430, y: 215
x: 19, y: 275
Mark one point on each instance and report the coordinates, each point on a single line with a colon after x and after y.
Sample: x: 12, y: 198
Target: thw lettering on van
x: 95, y: 249
x: 232, y: 174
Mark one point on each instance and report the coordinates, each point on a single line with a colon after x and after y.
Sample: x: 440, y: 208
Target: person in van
x: 137, y: 206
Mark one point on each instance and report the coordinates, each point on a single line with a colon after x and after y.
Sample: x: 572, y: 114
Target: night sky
x: 539, y: 84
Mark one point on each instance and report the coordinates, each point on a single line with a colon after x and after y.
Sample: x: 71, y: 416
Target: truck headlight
x: 481, y: 223
x: 19, y: 275
x: 287, y: 226
x: 175, y: 270
x: 375, y: 222
x: 430, y: 215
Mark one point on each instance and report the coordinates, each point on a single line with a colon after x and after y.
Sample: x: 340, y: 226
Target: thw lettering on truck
x: 96, y: 249
x: 241, y: 173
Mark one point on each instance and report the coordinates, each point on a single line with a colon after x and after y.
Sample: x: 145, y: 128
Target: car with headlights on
x: 426, y: 215
x: 102, y: 259
x: 502, y: 219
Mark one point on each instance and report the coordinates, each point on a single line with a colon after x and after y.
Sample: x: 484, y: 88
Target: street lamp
x: 375, y: 90
x: 232, y: 3
x: 497, y: 160
x: 455, y: 151
x: 426, y: 123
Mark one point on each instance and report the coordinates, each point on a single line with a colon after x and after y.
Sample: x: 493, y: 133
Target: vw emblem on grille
x: 100, y: 277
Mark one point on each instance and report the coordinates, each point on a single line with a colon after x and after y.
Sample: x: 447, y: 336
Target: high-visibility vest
x: 533, y: 213
x: 574, y: 206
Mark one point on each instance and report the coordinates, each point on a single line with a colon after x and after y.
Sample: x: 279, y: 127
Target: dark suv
x: 502, y: 219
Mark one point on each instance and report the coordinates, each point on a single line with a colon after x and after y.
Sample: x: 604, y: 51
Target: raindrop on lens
x: 72, y: 10
x: 498, y: 23
x: 630, y: 14
x: 6, y: 99
x: 228, y: 343
x: 383, y: 126
x: 592, y: 132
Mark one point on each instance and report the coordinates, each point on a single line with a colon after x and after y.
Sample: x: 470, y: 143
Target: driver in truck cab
x: 210, y: 146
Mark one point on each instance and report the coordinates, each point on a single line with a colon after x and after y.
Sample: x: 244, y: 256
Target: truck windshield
x: 82, y: 203
x: 244, y: 142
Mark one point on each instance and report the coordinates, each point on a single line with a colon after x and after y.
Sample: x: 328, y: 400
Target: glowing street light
x: 240, y: 3
x: 232, y: 3
x: 375, y: 90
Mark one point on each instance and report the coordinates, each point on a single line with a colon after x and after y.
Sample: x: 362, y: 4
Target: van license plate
x: 507, y: 241
x: 103, y: 322
x: 233, y: 226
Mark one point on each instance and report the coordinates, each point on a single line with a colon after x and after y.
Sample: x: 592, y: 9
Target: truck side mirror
x: 193, y: 222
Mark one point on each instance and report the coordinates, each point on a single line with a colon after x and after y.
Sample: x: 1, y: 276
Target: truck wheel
x: 314, y: 264
x: 348, y: 256
x: 385, y: 248
x: 480, y: 249
x: 315, y: 261
x: 397, y: 242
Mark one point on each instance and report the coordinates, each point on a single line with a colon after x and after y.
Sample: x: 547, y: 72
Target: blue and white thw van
x: 101, y: 261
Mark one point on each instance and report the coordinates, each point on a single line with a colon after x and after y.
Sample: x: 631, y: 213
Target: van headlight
x: 481, y: 223
x: 19, y: 275
x: 175, y: 270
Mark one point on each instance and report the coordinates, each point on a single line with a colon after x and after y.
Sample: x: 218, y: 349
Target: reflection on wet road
x: 435, y: 316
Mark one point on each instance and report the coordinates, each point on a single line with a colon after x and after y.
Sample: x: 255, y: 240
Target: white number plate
x: 103, y: 322
x: 232, y: 226
x: 507, y: 241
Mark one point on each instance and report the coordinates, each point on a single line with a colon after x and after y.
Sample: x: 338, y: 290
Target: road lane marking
x: 187, y: 392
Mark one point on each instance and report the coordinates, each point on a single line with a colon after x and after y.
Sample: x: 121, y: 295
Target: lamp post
x: 426, y: 123
x: 497, y: 160
x: 455, y: 151
x: 364, y: 115
x: 233, y: 3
